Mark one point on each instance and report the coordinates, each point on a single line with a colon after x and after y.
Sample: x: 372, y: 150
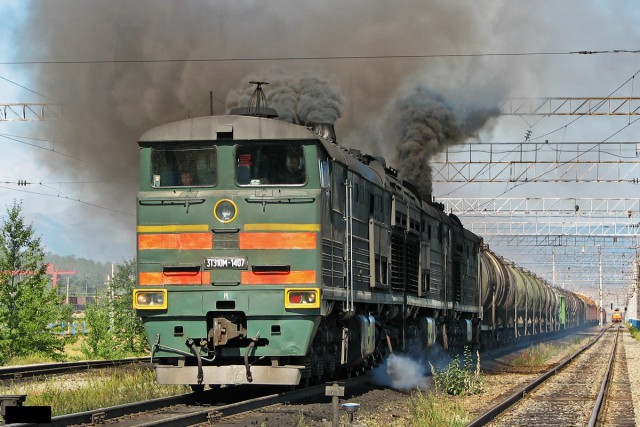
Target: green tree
x: 126, y: 323
x: 99, y: 342
x: 114, y: 328
x: 27, y: 304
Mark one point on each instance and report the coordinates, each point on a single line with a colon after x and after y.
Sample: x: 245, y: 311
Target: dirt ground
x: 378, y: 407
x: 387, y: 407
x: 381, y: 407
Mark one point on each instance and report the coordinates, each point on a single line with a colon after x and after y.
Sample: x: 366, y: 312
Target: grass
x: 634, y: 332
x: 72, y: 349
x: 86, y: 391
x: 92, y: 390
x: 535, y: 355
x: 72, y: 353
x: 540, y: 354
x: 435, y: 411
x: 426, y: 409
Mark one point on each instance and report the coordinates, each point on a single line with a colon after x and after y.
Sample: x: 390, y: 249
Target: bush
x: 114, y: 330
x: 459, y: 378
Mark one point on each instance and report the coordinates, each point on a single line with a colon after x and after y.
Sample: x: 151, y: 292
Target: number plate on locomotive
x: 238, y: 263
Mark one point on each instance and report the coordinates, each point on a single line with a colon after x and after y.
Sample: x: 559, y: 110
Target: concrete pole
x: 600, y: 288
x: 553, y: 258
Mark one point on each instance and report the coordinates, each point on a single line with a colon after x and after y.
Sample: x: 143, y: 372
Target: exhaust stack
x: 325, y: 130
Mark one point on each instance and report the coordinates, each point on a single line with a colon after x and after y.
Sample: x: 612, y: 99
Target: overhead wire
x: 314, y: 58
x: 598, y: 105
x: 69, y: 198
x: 15, y: 138
x: 564, y: 127
x: 52, y: 150
x: 26, y: 88
x: 345, y: 57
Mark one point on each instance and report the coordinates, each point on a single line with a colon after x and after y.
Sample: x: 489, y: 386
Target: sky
x: 120, y: 67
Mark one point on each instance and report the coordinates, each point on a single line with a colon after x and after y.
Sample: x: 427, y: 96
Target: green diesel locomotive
x: 268, y: 254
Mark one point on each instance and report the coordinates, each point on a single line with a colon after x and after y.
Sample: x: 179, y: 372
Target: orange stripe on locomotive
x: 175, y: 241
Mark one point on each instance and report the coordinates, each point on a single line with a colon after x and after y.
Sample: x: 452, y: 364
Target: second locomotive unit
x: 268, y: 254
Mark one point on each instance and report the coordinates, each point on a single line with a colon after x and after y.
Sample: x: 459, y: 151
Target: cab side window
x: 270, y: 164
x: 181, y: 165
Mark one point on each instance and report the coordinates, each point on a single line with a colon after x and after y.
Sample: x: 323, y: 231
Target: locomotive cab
x: 228, y: 225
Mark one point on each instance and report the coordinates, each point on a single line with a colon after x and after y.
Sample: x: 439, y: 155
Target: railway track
x: 588, y: 389
x: 41, y: 369
x: 618, y: 408
x: 208, y: 407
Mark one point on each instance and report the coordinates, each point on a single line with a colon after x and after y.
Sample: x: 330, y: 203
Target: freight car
x: 516, y: 303
x: 269, y: 254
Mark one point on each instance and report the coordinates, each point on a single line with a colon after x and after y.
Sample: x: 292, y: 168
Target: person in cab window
x: 186, y: 179
x: 295, y: 173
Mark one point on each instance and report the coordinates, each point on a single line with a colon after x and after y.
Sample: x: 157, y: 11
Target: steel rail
x: 24, y: 371
x: 99, y: 415
x: 605, y: 383
x: 192, y: 415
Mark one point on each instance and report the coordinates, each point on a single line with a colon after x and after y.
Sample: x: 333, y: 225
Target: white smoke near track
x: 402, y: 372
x: 411, y: 370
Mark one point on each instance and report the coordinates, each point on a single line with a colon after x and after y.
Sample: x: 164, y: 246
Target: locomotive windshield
x: 270, y: 164
x: 183, y: 166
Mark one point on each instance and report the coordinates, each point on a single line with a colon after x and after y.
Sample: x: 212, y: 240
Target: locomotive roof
x: 243, y: 127
x: 248, y: 128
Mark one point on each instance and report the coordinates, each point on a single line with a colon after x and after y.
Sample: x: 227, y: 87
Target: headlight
x: 225, y: 210
x: 302, y: 298
x: 152, y: 299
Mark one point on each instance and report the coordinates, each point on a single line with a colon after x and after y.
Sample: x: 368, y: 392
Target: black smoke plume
x: 422, y: 124
x: 304, y: 100
x: 117, y: 68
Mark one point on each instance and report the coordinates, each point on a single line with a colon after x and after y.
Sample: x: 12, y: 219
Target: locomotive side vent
x: 397, y: 262
x: 413, y: 265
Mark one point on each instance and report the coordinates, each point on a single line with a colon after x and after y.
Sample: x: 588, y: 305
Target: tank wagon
x: 268, y: 254
x: 517, y: 302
